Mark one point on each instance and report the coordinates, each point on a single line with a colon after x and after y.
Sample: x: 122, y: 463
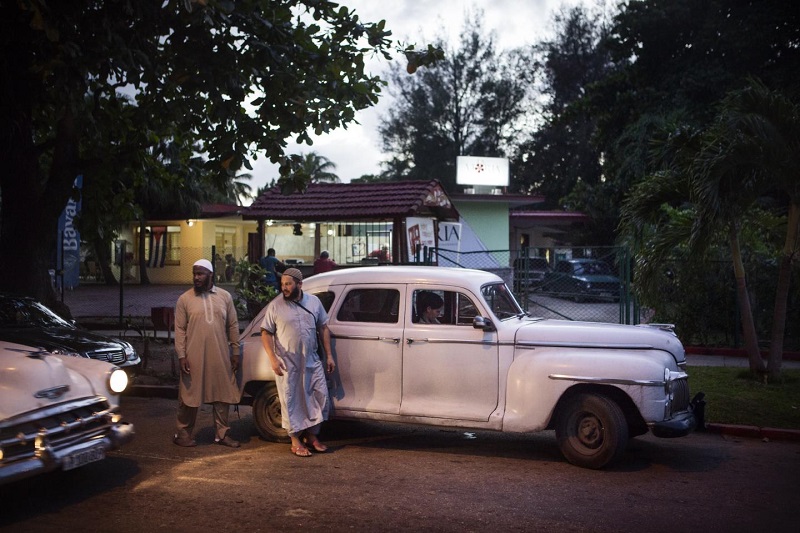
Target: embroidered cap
x: 205, y: 263
x: 293, y: 272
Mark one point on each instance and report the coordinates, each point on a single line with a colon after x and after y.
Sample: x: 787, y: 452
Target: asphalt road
x: 384, y: 477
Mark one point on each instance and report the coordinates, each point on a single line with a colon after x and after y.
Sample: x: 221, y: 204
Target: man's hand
x: 234, y: 363
x: 184, y: 365
x: 330, y: 364
x: 278, y: 366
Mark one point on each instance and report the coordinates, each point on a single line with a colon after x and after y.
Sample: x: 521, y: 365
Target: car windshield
x: 16, y: 313
x: 501, y: 301
x: 595, y: 267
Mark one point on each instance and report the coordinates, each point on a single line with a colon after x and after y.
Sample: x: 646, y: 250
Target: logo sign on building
x: 486, y: 171
x: 450, y: 236
x: 69, y: 246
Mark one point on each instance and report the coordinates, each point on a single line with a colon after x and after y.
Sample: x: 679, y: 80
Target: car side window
x: 446, y: 307
x: 326, y: 297
x: 370, y: 305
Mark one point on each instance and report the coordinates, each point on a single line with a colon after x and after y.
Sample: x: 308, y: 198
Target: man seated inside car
x: 429, y: 307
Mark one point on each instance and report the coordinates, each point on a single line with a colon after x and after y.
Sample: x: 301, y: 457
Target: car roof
x: 404, y: 274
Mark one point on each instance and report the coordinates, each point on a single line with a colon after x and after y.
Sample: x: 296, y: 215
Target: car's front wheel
x: 267, y: 414
x: 591, y: 431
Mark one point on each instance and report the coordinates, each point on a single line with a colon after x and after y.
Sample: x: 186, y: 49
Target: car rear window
x: 370, y: 305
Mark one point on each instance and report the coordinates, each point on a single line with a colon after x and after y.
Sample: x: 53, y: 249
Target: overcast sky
x: 356, y: 150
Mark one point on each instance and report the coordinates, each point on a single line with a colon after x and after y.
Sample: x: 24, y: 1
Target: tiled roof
x: 355, y: 201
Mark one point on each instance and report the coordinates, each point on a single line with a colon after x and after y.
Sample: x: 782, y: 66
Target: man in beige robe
x: 206, y: 327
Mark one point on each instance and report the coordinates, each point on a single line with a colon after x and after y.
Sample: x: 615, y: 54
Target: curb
x: 754, y: 432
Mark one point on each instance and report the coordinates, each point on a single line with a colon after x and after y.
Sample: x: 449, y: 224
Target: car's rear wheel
x: 267, y: 414
x: 591, y: 431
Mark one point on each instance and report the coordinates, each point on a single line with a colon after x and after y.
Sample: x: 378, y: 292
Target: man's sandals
x: 316, y: 444
x: 301, y: 451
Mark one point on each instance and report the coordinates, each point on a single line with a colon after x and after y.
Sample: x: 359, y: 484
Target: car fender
x: 254, y: 366
x: 541, y: 375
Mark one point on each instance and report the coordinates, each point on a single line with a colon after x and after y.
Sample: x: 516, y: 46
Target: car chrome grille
x: 113, y: 356
x: 58, y: 426
x: 680, y: 395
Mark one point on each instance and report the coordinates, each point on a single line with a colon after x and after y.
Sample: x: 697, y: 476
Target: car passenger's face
x: 432, y: 314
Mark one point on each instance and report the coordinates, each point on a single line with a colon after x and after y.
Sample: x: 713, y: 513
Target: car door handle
x: 411, y: 341
x: 394, y: 340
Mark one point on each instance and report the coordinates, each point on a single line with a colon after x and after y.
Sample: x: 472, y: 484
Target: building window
x: 225, y: 240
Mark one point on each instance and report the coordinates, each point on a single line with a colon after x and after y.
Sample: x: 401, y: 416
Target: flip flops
x: 317, y: 445
x: 301, y: 451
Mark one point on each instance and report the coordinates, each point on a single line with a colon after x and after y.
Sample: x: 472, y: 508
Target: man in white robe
x: 289, y: 335
x: 206, y: 330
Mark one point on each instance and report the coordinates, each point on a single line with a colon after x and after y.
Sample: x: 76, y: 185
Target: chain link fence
x: 586, y: 284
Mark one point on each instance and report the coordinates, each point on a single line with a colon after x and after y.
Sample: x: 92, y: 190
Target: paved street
x: 382, y: 477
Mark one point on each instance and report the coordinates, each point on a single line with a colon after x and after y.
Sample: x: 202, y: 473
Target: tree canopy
x: 100, y: 88
x: 472, y: 102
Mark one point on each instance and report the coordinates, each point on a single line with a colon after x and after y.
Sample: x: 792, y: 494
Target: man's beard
x: 205, y: 287
x: 292, y: 295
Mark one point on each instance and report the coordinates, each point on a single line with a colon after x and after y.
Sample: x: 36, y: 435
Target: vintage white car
x: 485, y: 365
x: 56, y: 411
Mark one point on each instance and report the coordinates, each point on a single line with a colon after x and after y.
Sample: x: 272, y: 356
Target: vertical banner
x: 69, y: 245
x: 449, y: 244
x: 420, y: 232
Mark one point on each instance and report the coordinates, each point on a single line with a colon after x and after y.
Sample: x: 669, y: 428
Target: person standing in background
x: 206, y: 330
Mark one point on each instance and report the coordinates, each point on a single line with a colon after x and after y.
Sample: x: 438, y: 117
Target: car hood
x: 64, y: 340
x: 31, y: 379
x: 602, y: 335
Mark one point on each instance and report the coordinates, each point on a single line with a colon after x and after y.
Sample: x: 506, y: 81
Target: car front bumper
x: 50, y: 459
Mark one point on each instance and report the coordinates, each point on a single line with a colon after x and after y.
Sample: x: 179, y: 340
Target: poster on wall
x: 421, y: 234
x: 449, y: 237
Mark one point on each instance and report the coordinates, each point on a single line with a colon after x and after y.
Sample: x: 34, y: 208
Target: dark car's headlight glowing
x: 118, y: 380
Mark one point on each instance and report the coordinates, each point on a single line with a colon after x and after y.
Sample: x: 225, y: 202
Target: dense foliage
x: 128, y: 93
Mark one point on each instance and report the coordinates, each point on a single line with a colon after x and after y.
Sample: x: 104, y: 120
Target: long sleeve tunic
x: 205, y: 325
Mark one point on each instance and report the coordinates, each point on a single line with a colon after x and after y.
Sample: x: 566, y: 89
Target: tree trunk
x: 775, y: 359
x: 757, y: 365
x: 103, y: 254
x: 31, y: 202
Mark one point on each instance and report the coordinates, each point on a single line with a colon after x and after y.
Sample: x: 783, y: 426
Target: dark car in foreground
x: 582, y: 280
x: 25, y: 321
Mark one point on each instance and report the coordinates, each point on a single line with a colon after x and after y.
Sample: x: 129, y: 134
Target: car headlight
x: 118, y: 380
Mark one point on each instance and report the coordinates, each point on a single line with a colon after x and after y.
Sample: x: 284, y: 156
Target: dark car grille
x: 59, y: 426
x: 114, y: 356
x: 680, y: 395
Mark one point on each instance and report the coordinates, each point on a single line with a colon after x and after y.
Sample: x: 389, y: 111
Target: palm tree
x: 764, y: 127
x: 319, y: 168
x: 721, y: 171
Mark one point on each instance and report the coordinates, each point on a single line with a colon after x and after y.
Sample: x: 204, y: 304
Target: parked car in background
x: 25, y: 321
x: 529, y: 273
x: 56, y: 411
x: 582, y: 280
x: 486, y: 365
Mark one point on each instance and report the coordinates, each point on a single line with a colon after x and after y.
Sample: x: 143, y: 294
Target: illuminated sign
x: 491, y: 171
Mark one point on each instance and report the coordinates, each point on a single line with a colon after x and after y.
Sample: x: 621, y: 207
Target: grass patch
x: 733, y: 397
